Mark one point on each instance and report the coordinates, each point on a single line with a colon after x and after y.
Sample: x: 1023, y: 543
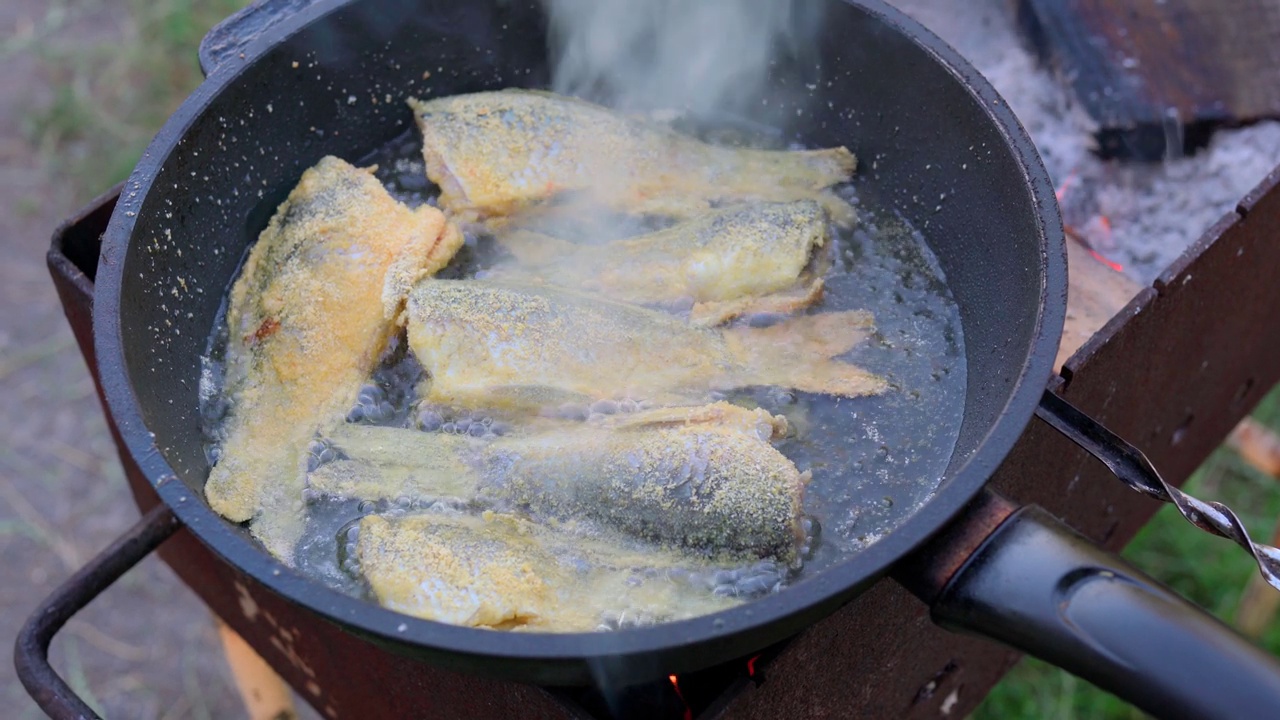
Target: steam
x: 701, y: 56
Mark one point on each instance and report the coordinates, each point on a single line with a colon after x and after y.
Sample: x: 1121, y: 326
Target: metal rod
x: 31, y: 651
x: 1135, y: 470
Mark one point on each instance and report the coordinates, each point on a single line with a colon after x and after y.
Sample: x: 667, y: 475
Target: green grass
x: 110, y: 98
x: 1210, y: 571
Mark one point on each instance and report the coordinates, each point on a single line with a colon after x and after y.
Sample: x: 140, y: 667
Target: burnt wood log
x: 1159, y: 75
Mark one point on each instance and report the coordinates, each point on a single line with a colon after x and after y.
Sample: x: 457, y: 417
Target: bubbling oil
x: 874, y: 460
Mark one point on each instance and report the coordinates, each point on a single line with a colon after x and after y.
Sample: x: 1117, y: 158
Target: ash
x: 1140, y: 215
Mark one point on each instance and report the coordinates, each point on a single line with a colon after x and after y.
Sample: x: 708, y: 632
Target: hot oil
x: 874, y: 460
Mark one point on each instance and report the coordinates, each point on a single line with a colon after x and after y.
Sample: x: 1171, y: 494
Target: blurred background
x: 86, y: 85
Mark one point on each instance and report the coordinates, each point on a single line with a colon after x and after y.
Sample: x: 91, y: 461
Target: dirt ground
x: 147, y: 648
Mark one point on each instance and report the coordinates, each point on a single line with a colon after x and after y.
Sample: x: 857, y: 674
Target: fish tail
x: 718, y: 312
x: 797, y: 353
x: 832, y: 165
x: 832, y: 377
x: 822, y: 335
x: 795, y: 174
x: 280, y: 535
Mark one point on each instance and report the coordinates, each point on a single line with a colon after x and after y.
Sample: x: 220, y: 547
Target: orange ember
x: 1109, y: 263
x: 1103, y: 222
x: 1062, y: 189
x: 688, y: 713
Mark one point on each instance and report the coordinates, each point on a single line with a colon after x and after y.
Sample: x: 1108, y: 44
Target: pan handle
x: 1037, y: 586
x: 1135, y: 470
x: 31, y: 651
x: 1019, y: 576
x: 231, y: 36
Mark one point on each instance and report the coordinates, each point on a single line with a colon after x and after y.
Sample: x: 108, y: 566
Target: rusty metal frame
x: 1146, y: 375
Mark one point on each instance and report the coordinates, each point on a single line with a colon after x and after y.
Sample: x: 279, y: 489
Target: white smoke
x: 701, y: 56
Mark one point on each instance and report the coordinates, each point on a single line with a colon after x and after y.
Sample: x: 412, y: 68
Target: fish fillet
x: 499, y: 572
x: 704, y: 478
x: 724, y: 258
x: 525, y: 348
x: 309, y: 315
x: 493, y: 153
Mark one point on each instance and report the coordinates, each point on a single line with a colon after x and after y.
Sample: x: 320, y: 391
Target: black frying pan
x: 278, y: 98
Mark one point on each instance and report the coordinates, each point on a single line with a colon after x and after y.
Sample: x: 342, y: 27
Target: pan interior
x: 874, y: 460
x: 931, y: 155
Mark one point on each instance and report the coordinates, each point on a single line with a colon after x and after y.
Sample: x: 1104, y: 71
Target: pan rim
x: 577, y: 658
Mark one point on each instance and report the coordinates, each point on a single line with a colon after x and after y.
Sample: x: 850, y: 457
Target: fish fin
x: 797, y: 353
x: 718, y: 312
x: 797, y: 175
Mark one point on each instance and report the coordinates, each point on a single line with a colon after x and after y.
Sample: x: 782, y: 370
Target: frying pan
x: 290, y: 81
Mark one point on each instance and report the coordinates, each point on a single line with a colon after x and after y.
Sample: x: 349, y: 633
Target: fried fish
x: 724, y: 262
x: 493, y: 153
x: 503, y: 573
x: 308, y: 317
x: 703, y: 478
x: 526, y: 348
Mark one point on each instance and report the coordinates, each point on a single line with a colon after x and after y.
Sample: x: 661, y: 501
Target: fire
x: 1102, y: 221
x: 1109, y: 263
x: 675, y: 684
x: 1062, y: 189
x: 751, y: 666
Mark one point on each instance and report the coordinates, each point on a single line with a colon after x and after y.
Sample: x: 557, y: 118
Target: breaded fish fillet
x: 704, y: 478
x: 524, y: 348
x: 493, y: 153
x: 309, y: 315
x: 500, y: 572
x: 718, y: 259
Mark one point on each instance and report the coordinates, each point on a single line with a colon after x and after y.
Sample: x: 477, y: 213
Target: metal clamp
x: 1135, y: 470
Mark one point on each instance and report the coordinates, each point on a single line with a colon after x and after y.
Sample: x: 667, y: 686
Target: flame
x: 1061, y: 191
x: 1109, y: 263
x: 1104, y: 221
x: 1084, y: 242
x: 688, y: 712
x: 751, y: 666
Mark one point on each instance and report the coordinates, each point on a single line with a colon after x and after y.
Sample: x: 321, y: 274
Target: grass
x: 109, y: 98
x: 1210, y: 571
